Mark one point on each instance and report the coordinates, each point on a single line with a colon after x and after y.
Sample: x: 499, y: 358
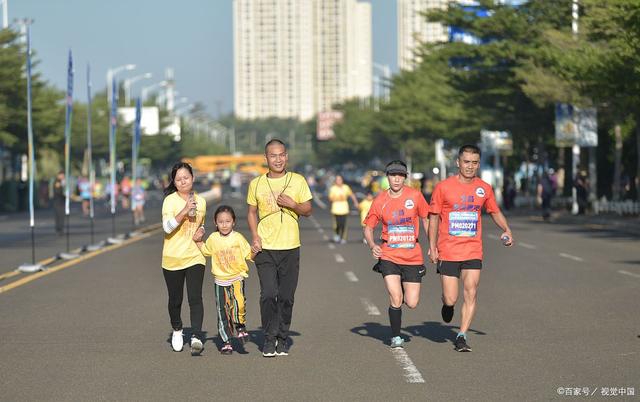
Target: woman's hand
x: 199, y: 234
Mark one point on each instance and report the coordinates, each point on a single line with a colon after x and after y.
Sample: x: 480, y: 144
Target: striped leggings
x: 231, y: 308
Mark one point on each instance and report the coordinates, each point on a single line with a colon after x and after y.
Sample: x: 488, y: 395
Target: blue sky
x: 194, y: 37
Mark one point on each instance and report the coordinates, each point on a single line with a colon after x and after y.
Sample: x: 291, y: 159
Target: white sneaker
x: 176, y: 341
x: 196, y: 346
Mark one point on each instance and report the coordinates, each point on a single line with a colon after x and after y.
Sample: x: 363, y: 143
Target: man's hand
x: 376, y: 251
x: 286, y: 201
x: 199, y: 234
x: 507, y: 238
x: 433, y: 255
x: 256, y: 245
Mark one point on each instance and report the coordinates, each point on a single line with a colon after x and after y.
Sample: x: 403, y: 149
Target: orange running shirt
x: 459, y: 206
x: 400, y: 225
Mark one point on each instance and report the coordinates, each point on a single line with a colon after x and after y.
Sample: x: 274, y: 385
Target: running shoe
x: 226, y: 349
x: 343, y: 241
x: 336, y: 239
x: 447, y: 313
x: 269, y: 348
x: 397, y: 342
x: 196, y: 346
x: 243, y: 335
x: 460, y: 344
x: 282, y: 349
x: 176, y: 341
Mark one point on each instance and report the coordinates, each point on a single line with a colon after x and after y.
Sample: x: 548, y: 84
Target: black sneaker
x: 447, y: 313
x: 282, y: 349
x: 269, y: 348
x: 460, y: 345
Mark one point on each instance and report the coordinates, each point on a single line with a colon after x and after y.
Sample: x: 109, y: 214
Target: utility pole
x: 575, y: 151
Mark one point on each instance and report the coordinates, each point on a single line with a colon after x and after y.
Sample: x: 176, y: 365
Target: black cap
x: 396, y: 168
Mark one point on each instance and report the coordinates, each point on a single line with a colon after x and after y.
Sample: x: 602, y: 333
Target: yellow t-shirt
x: 228, y: 255
x: 364, y: 207
x: 278, y: 227
x: 339, y: 196
x: 179, y: 250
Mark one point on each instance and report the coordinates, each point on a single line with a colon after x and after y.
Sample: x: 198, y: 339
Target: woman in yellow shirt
x: 339, y: 194
x: 182, y: 214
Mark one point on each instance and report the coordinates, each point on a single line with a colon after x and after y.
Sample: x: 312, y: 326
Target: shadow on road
x: 431, y: 330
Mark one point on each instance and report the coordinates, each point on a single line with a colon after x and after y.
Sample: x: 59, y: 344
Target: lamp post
x: 130, y: 81
x: 5, y: 13
x: 111, y: 72
x: 145, y: 90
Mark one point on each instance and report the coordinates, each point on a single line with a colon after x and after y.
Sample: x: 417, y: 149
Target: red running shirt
x: 400, y: 225
x: 459, y: 206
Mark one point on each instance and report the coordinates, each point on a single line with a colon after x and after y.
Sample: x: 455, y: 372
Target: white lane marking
x: 325, y: 237
x: 628, y: 273
x: 320, y: 230
x: 339, y: 258
x: 571, y: 257
x: 351, y: 276
x: 317, y: 200
x: 527, y: 245
x: 411, y: 373
x: 494, y: 237
x: 332, y: 246
x: 370, y: 307
x: 313, y: 219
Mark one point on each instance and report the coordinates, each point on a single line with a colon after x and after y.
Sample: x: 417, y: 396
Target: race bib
x: 401, y: 236
x: 463, y: 224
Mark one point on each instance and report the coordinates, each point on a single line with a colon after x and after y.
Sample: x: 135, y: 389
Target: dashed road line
x: 492, y: 236
x: 369, y: 307
x: 325, y: 237
x: 411, y: 372
x: 332, y: 246
x: 320, y: 230
x: 339, y: 258
x: 571, y: 257
x: 527, y: 245
x: 351, y: 276
x: 628, y: 273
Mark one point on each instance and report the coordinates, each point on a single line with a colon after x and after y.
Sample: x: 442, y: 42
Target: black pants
x: 341, y: 225
x: 58, y: 208
x: 175, y: 285
x: 278, y: 273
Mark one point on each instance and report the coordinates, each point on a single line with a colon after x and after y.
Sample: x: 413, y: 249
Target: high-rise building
x: 294, y: 58
x: 413, y: 29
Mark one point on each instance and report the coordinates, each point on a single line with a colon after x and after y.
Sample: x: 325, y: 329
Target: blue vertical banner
x: 30, y: 148
x: 135, y: 146
x: 113, y: 120
x: 67, y: 133
x: 92, y: 176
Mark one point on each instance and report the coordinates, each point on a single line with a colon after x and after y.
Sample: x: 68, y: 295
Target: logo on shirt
x: 409, y: 204
x: 480, y: 192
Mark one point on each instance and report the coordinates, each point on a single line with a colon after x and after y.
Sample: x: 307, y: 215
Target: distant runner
x: 400, y: 261
x: 456, y: 244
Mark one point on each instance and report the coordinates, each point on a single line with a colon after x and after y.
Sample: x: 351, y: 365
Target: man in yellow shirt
x: 276, y: 200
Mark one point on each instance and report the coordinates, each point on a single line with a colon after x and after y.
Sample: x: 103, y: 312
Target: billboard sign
x: 326, y: 120
x: 576, y: 126
x: 149, y: 119
x: 499, y: 142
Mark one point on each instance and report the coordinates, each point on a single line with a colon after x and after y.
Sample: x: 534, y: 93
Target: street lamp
x: 146, y: 90
x: 111, y: 72
x: 5, y: 14
x: 130, y: 81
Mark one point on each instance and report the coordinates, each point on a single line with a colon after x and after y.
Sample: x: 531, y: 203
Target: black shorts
x: 408, y: 273
x: 453, y: 268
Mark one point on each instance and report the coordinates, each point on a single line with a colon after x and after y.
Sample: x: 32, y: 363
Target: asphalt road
x: 558, y: 310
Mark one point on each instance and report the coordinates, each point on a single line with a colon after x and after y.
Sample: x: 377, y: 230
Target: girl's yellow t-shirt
x: 339, y: 196
x: 229, y: 255
x: 179, y: 250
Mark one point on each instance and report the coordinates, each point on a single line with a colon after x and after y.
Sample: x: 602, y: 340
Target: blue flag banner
x: 67, y: 133
x: 113, y: 120
x: 30, y: 149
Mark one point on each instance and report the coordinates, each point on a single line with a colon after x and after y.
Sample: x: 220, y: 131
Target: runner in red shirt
x: 455, y: 236
x: 400, y: 261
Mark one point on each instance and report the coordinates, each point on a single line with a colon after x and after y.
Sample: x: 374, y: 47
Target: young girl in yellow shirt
x: 229, y: 251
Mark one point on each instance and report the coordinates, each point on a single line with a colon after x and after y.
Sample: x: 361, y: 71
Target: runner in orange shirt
x: 400, y: 261
x: 455, y: 236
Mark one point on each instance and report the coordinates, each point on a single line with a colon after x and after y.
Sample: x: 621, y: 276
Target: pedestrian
x: 545, y: 194
x: 455, y: 236
x: 84, y: 188
x: 183, y: 213
x: 364, y: 206
x: 339, y: 194
x: 59, y: 199
x: 138, y: 197
x: 582, y: 192
x: 229, y: 251
x: 276, y: 201
x: 400, y: 208
x: 125, y: 190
